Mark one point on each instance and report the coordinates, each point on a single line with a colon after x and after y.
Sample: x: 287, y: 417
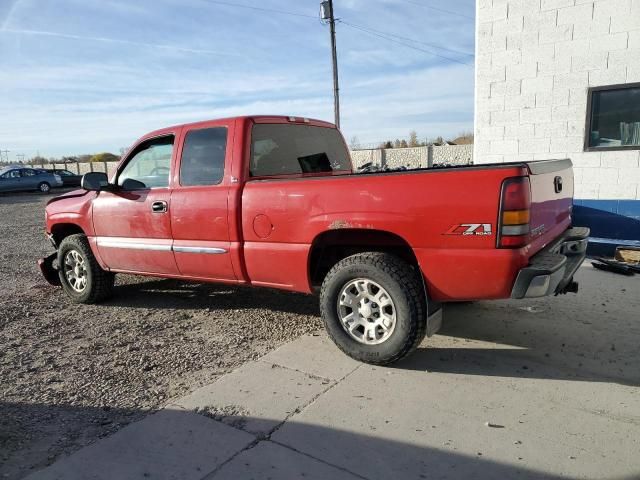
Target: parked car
x: 69, y: 179
x: 17, y: 178
x: 273, y: 202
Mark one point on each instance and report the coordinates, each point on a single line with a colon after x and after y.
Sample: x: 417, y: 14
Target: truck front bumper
x: 48, y: 269
x: 551, y: 270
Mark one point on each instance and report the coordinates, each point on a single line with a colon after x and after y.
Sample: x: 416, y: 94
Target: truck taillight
x: 515, y: 206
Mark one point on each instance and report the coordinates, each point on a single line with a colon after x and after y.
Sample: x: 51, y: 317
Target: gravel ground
x: 71, y: 374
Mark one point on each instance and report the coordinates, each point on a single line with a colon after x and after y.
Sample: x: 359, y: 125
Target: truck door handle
x: 159, y: 207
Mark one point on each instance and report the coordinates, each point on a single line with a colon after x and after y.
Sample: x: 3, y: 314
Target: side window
x: 28, y: 172
x: 203, y: 157
x: 284, y: 149
x: 150, y: 165
x: 12, y: 174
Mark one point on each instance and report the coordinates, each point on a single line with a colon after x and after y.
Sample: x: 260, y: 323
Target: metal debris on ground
x: 493, y: 425
x: 615, y: 266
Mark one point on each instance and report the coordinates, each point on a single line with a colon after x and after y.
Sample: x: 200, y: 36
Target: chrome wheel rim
x: 44, y: 187
x: 75, y: 271
x: 367, y: 312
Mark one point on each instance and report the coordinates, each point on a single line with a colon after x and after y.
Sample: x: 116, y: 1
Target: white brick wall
x: 536, y: 60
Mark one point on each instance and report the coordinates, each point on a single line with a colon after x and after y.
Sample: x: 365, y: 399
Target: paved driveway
x: 530, y: 389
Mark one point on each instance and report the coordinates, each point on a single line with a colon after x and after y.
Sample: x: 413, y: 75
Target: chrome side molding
x: 111, y: 242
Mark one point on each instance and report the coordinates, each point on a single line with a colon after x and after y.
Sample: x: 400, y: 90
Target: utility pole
x: 326, y: 13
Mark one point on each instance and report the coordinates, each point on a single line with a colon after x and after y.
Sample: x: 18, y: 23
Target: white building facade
x: 561, y: 79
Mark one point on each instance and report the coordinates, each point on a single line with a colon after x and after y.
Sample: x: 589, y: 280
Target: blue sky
x: 80, y: 76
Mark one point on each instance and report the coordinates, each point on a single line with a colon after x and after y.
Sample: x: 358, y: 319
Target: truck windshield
x: 282, y: 149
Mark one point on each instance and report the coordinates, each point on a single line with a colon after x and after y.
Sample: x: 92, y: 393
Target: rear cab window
x: 285, y: 149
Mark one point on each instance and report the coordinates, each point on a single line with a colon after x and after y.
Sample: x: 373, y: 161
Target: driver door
x: 132, y: 223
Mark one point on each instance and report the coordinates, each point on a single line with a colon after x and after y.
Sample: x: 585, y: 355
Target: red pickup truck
x: 271, y: 201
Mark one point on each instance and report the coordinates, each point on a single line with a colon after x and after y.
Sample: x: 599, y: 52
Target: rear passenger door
x: 199, y: 204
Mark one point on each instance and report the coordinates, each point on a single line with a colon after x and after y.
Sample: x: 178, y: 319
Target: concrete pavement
x: 546, y: 388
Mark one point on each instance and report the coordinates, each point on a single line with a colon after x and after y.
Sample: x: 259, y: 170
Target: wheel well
x: 330, y: 247
x: 63, y: 230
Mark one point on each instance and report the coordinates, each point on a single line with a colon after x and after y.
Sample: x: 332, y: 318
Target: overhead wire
x: 391, y: 39
x: 438, y: 9
x: 432, y: 45
x: 261, y: 9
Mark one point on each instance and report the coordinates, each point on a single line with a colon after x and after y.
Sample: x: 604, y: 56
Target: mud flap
x: 434, y: 318
x: 49, y: 272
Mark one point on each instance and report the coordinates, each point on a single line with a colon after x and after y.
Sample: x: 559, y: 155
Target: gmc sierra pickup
x: 272, y: 201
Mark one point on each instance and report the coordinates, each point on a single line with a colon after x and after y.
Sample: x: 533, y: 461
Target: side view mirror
x: 94, y: 181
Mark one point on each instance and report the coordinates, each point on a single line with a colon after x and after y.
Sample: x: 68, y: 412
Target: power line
x: 391, y: 39
x: 387, y: 36
x: 261, y: 9
x: 450, y: 12
x: 459, y: 52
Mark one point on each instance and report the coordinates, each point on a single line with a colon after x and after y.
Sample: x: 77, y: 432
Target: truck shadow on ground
x: 528, y: 341
x: 175, y: 294
x: 538, y: 345
x: 320, y: 452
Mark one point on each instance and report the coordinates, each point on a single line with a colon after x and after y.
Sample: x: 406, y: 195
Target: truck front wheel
x: 374, y: 307
x: 80, y: 274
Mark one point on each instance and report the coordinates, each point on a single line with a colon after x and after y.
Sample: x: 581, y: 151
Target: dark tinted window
x: 27, y: 172
x: 615, y: 118
x: 203, y: 157
x: 281, y: 149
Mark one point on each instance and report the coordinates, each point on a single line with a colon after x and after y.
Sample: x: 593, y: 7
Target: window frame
x: 136, y: 149
x: 587, y: 133
x: 183, y: 142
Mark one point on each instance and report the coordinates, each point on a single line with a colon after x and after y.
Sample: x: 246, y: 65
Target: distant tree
x: 413, y: 139
x: 354, y: 143
x: 104, y: 157
x: 37, y: 160
x: 84, y: 158
x: 463, y: 138
x: 403, y: 143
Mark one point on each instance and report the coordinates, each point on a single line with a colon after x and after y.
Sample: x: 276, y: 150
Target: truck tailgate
x: 551, y: 200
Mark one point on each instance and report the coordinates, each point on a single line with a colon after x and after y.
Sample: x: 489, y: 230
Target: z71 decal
x: 470, y: 229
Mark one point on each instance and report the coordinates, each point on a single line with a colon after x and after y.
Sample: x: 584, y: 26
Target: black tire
x: 99, y: 283
x: 404, y: 286
x: 44, y: 187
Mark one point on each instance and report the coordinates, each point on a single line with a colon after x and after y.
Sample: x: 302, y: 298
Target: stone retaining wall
x: 418, y: 157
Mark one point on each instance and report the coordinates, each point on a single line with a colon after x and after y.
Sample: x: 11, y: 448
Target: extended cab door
x: 199, y: 203
x: 132, y: 223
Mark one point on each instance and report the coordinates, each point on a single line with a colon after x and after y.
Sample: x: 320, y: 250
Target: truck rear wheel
x: 80, y: 274
x: 374, y: 307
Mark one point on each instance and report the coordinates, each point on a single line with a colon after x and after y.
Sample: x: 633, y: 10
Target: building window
x: 613, y: 121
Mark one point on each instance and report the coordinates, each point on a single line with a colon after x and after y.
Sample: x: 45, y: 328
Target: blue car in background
x: 13, y: 179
